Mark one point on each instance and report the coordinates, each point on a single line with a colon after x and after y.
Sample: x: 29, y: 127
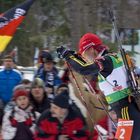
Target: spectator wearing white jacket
x: 19, y: 123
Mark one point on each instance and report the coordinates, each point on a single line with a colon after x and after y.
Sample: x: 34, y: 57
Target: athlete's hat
x: 91, y: 40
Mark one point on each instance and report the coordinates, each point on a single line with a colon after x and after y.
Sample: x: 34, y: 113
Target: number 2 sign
x: 124, y: 129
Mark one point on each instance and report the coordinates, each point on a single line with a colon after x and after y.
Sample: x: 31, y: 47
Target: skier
x: 95, y: 60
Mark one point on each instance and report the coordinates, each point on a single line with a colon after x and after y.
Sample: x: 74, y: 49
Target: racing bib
x: 124, y: 129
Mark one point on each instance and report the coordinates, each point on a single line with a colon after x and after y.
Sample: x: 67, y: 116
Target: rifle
x: 130, y: 73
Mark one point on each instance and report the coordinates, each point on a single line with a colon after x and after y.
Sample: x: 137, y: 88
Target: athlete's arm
x: 104, y: 66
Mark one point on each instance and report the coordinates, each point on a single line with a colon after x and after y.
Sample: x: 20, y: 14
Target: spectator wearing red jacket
x: 61, y: 122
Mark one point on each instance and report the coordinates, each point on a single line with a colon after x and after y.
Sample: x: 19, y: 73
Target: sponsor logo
x: 117, y: 88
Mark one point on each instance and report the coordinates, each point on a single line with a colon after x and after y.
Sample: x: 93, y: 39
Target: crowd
x: 60, y: 106
x: 38, y: 109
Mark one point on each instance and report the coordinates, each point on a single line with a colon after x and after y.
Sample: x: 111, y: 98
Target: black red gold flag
x: 10, y: 20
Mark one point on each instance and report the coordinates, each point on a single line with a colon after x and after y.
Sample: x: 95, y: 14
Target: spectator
x: 47, y: 71
x: 19, y: 123
x: 25, y: 85
x: 64, y: 87
x: 61, y: 88
x: 73, y: 103
x: 61, y: 122
x: 9, y: 78
x: 38, y: 95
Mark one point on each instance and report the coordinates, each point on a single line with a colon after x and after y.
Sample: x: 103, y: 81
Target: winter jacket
x: 49, y: 77
x: 19, y: 124
x: 8, y: 80
x: 49, y: 128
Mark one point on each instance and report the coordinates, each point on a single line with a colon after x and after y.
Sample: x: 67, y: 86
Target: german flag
x: 10, y: 20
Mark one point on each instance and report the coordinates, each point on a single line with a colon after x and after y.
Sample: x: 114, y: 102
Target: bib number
x: 124, y: 129
x: 122, y: 133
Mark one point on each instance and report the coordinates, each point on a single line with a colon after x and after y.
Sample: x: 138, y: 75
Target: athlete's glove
x: 63, y: 52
